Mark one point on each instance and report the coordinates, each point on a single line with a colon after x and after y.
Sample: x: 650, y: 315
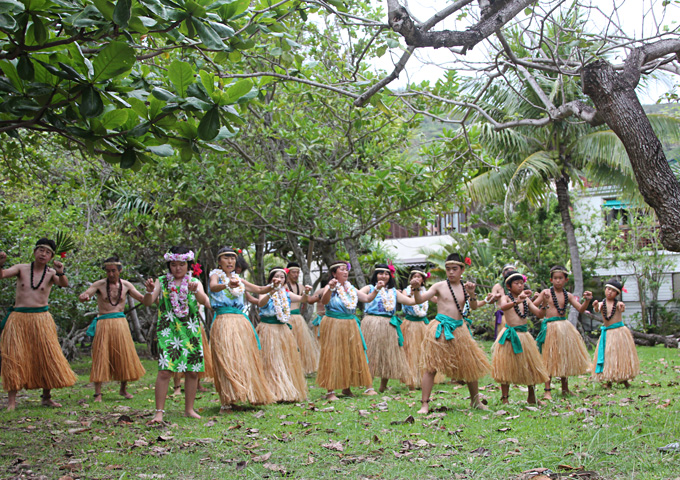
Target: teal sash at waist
x: 511, y: 332
x: 540, y: 338
x: 92, y: 329
x: 274, y: 321
x: 46, y: 308
x: 603, y: 344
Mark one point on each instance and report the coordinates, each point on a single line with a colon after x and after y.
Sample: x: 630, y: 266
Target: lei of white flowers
x: 229, y: 292
x: 281, y: 305
x: 387, y: 299
x: 421, y: 309
x: 348, y: 295
x: 178, y: 299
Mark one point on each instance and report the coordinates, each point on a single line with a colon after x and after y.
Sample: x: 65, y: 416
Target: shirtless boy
x: 31, y: 354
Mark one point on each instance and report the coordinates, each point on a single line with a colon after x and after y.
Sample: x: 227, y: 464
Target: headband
x: 514, y: 276
x: 43, y: 245
x: 381, y: 269
x: 278, y: 269
x: 179, y: 257
x: 340, y: 264
x: 293, y: 268
x: 454, y: 262
x: 112, y: 263
x: 560, y: 269
x: 508, y: 267
x: 231, y: 254
x: 612, y: 287
x: 425, y: 275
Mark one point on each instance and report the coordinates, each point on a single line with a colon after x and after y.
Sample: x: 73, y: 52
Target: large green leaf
x: 114, y: 118
x: 128, y: 159
x: 115, y: 59
x: 181, y: 74
x: 91, y: 104
x: 238, y: 90
x: 210, y: 124
x: 208, y: 36
x: 122, y: 13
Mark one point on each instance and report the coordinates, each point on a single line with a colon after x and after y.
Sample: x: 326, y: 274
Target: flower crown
x: 179, y: 257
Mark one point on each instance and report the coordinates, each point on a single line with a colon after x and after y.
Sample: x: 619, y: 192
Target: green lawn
x: 595, y: 434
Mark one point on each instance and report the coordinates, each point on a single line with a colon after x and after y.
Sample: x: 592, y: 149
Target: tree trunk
x: 134, y: 321
x: 306, y: 272
x: 651, y: 339
x: 614, y: 96
x: 562, y: 187
x: 261, y: 275
x: 351, y: 246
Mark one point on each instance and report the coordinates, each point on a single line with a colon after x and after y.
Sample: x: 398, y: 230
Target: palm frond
x: 532, y: 178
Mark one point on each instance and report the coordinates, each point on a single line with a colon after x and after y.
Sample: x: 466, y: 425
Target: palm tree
x: 533, y: 162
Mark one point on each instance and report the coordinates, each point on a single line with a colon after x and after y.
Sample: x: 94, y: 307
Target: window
x: 615, y: 212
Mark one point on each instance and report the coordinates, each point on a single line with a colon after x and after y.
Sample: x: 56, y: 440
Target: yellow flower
x: 178, y: 326
x: 189, y: 346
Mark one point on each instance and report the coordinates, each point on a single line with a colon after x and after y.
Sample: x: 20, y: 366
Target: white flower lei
x: 178, y: 299
x: 281, y: 305
x: 387, y: 299
x: 229, y: 292
x: 348, y: 295
x: 419, y: 309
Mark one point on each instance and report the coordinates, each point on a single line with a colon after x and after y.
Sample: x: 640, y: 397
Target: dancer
x: 382, y: 328
x: 281, y: 358
x: 31, y: 354
x: 307, y: 342
x: 239, y: 375
x: 343, y: 362
x: 413, y: 329
x: 114, y: 356
x: 179, y: 330
x: 518, y: 360
x: 446, y: 347
x: 564, y: 352
x: 499, y: 289
x: 616, y: 359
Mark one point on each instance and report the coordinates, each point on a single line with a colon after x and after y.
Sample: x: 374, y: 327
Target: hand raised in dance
x: 84, y: 297
x: 415, y: 283
x: 332, y: 283
x: 150, y: 285
x: 58, y: 266
x: 308, y: 288
x: 379, y: 285
x: 621, y: 307
x: 470, y: 287
x: 588, y: 295
x: 193, y: 286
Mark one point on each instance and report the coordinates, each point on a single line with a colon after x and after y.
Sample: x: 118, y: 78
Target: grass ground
x: 598, y: 433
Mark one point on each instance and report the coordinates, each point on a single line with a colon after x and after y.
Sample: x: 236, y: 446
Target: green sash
x: 540, y: 338
x: 317, y: 323
x: 414, y: 318
x: 395, y: 322
x: 603, y: 343
x: 274, y: 321
x: 295, y: 312
x: 448, y: 325
x: 348, y: 316
x: 22, y: 310
x: 230, y: 310
x: 92, y: 329
x: 514, y: 338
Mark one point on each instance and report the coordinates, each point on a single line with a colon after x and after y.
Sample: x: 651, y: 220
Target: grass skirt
x: 564, y: 352
x: 114, y: 357
x: 282, y: 363
x: 386, y: 359
x: 208, y: 372
x: 307, y: 343
x: 621, y: 361
x: 31, y: 354
x: 460, y: 358
x: 414, y: 333
x: 237, y: 366
x: 342, y: 362
x: 526, y: 368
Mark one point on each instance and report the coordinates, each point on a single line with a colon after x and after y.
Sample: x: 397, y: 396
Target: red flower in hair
x: 392, y: 269
x: 623, y: 289
x: 468, y: 262
x: 62, y: 254
x: 428, y: 275
x: 197, y: 269
x: 286, y: 270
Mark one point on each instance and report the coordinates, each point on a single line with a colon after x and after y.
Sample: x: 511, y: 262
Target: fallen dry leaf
x: 262, y: 458
x: 337, y: 446
x: 275, y: 468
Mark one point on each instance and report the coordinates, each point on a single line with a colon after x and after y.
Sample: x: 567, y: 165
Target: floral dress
x: 179, y: 338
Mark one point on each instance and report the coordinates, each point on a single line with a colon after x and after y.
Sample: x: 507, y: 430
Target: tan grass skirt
x: 282, y: 363
x: 526, y: 368
x: 307, y: 343
x: 386, y: 359
x: 31, y: 354
x: 114, y: 357
x: 621, y: 362
x: 342, y: 361
x: 208, y: 372
x: 414, y: 333
x: 564, y: 352
x: 237, y: 366
x: 460, y: 358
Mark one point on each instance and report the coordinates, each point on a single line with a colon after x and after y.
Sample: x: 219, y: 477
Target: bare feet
x: 383, y: 384
x: 346, y: 392
x: 157, y: 418
x: 370, y: 392
x: 177, y: 391
x: 11, y: 406
x: 191, y: 414
x: 506, y: 400
x: 531, y: 397
x: 97, y: 397
x: 476, y: 402
x: 331, y: 396
x: 48, y: 402
x: 225, y: 409
x: 546, y: 394
x: 424, y: 407
x: 201, y: 388
x: 607, y: 385
x: 567, y: 393
x: 626, y: 383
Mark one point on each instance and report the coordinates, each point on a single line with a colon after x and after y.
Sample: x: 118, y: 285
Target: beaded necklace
x: 560, y: 311
x: 466, y: 297
x: 120, y: 292
x: 41, y: 278
x: 516, y: 307
x: 604, y: 309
